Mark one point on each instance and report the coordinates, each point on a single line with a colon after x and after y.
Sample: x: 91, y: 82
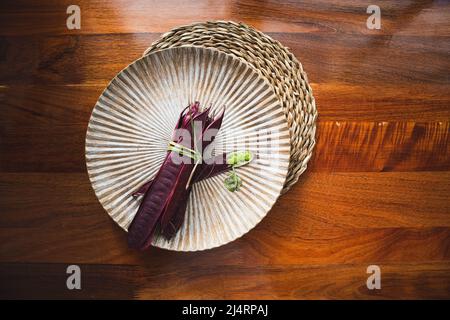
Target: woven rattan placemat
x: 274, y: 61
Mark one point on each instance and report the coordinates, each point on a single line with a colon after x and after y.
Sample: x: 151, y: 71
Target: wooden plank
x: 328, y: 17
x: 55, y: 144
x: 69, y: 59
x: 342, y: 281
x: 353, y: 59
x: 372, y: 217
x: 44, y: 127
x: 382, y: 146
x: 54, y: 104
x: 337, y: 101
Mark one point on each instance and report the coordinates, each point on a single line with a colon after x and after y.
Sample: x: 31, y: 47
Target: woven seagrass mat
x: 274, y: 61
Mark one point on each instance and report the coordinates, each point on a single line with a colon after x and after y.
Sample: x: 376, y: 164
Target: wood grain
x: 345, y: 281
x: 38, y: 104
x: 387, y: 217
x: 382, y: 146
x: 345, y: 58
x: 341, y: 146
x: 376, y: 190
x: 119, y: 16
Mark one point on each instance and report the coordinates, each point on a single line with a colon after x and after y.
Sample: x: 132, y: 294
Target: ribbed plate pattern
x: 133, y: 120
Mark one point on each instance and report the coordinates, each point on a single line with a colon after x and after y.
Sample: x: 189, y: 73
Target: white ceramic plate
x: 133, y: 120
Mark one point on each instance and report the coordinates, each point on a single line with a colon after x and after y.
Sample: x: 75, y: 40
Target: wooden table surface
x: 376, y: 191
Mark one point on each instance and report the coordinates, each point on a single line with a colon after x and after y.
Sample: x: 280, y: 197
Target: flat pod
x: 133, y: 121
